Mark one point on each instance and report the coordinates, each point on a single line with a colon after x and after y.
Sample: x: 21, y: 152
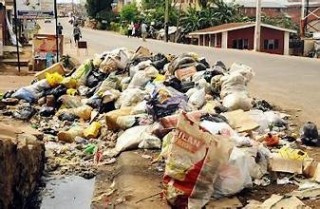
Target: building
x: 288, y: 8
x: 120, y: 3
x: 274, y: 39
x: 185, y: 4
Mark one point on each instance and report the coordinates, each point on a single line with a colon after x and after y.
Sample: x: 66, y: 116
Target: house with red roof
x: 273, y: 39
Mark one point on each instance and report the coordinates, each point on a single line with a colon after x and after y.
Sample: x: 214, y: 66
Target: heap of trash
x: 214, y: 139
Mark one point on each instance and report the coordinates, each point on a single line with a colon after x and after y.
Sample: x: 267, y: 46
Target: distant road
x: 291, y: 82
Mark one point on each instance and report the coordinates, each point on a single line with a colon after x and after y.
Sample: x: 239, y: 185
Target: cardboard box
x: 278, y: 164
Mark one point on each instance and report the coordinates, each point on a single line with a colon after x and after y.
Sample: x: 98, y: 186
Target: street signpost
x: 36, y: 9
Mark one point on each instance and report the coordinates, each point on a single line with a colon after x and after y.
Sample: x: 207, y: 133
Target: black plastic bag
x: 200, y: 67
x: 94, y: 78
x: 47, y: 111
x: 24, y: 113
x: 204, y: 62
x: 214, y: 118
x: 67, y: 117
x: 310, y: 135
x: 262, y: 105
x: 8, y: 94
x: 209, y: 74
x: 57, y: 92
x: 159, y: 61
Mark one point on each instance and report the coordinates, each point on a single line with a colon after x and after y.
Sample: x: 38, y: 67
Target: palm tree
x: 224, y: 12
x: 207, y: 18
x: 191, y: 21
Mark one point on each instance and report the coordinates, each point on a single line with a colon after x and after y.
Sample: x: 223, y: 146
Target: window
x: 271, y: 44
x: 240, y: 44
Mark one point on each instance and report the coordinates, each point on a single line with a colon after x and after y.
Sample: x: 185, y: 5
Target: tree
x: 97, y: 6
x: 224, y: 12
x: 129, y: 12
x: 191, y: 21
x: 152, y: 4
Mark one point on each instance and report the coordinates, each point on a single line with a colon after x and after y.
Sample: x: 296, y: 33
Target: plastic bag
x: 159, y: 60
x: 224, y: 129
x: 259, y: 117
x: 185, y: 73
x: 141, y: 78
x: 33, y: 92
x: 55, y: 68
x: 244, y: 70
x: 274, y: 119
x: 192, y: 166
x: 83, y: 112
x: 57, y: 92
x: 128, y: 121
x: 149, y: 141
x: 234, y: 176
x: 130, y: 97
x: 68, y: 101
x: 130, y: 139
x: 112, y: 82
x: 24, y: 112
x: 25, y: 94
x: 166, y: 101
x: 71, y: 134
x: 237, y: 101
x: 112, y: 117
x: 92, y: 131
x: 80, y: 75
x: 310, y: 135
x: 54, y: 79
x: 46, y: 111
x: 108, y: 65
x: 140, y: 66
x: 197, y: 99
x: 140, y: 108
x: 232, y: 83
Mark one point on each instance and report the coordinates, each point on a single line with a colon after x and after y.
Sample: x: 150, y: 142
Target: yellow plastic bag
x: 69, y: 83
x: 54, y: 79
x: 293, y: 154
x: 72, y: 92
x: 160, y: 78
x: 92, y: 131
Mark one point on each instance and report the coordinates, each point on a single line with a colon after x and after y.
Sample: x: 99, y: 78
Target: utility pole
x: 166, y: 22
x: 303, y: 13
x: 72, y: 5
x: 16, y: 31
x: 257, y: 33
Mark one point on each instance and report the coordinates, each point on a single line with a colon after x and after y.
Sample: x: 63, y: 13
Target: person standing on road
x: 59, y: 29
x: 76, y: 34
x: 144, y: 31
x: 130, y: 29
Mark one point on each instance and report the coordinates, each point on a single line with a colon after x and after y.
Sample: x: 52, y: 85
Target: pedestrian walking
x: 144, y: 31
x: 130, y: 29
x: 76, y: 34
x: 59, y: 29
x: 136, y: 29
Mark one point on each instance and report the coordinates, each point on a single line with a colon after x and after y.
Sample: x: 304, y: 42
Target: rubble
x: 215, y: 139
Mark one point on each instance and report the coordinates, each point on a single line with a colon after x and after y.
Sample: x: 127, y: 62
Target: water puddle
x: 72, y: 192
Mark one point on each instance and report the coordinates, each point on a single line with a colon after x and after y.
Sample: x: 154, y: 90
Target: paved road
x: 291, y: 82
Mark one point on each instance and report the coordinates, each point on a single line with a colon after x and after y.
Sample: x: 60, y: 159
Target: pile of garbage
x: 215, y: 139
